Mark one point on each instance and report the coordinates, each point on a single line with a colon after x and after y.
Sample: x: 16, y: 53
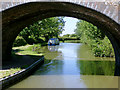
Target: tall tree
x: 88, y: 30
x: 44, y: 28
x: 94, y: 37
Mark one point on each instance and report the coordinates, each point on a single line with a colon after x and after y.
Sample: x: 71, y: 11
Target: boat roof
x: 53, y: 38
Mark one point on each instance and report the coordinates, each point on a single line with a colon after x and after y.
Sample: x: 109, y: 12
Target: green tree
x: 95, y: 38
x: 47, y: 28
x: 74, y: 35
x: 89, y: 30
x: 66, y: 35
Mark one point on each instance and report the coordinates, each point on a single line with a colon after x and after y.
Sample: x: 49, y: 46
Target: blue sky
x: 70, y: 25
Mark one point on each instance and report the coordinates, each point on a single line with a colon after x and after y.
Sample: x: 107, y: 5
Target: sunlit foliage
x: 94, y: 37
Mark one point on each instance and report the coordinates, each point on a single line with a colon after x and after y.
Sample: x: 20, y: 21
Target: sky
x: 70, y: 25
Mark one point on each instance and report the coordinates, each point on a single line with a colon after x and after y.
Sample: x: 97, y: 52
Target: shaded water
x: 72, y: 65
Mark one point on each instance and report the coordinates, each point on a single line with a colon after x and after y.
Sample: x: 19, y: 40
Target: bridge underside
x: 17, y: 18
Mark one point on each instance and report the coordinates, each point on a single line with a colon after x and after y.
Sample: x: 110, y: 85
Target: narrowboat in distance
x: 53, y: 41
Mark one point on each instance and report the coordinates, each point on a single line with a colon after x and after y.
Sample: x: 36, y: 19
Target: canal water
x: 71, y: 65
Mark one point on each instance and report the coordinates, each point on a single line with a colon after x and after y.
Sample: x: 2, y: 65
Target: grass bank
x: 27, y: 50
x: 5, y: 73
x: 72, y: 41
x: 22, y: 57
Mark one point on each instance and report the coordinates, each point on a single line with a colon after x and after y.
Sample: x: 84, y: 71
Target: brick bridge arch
x: 18, y: 17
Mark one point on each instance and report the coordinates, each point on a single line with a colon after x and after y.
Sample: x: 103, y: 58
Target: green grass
x: 22, y: 50
x: 28, y: 50
x: 72, y: 41
x: 5, y: 73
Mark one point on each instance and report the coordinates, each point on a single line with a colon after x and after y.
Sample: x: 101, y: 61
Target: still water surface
x: 72, y: 65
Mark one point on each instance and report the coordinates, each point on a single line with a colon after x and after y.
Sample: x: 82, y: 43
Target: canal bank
x: 28, y: 65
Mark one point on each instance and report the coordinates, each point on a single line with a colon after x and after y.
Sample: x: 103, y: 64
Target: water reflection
x: 65, y: 67
x: 72, y: 65
x: 67, y: 59
x: 53, y: 48
x: 50, y: 52
x: 96, y: 67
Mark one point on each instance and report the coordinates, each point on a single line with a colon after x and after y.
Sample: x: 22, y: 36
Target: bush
x: 39, y: 40
x: 19, y: 41
x: 103, y: 48
x: 95, y: 38
x: 30, y: 40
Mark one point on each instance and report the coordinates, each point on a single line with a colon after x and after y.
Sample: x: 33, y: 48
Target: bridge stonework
x: 108, y: 7
x: 17, y: 15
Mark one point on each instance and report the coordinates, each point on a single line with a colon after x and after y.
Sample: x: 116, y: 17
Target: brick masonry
x: 109, y: 8
x: 103, y: 15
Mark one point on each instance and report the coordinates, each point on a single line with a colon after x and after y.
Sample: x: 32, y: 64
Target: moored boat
x: 53, y: 41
